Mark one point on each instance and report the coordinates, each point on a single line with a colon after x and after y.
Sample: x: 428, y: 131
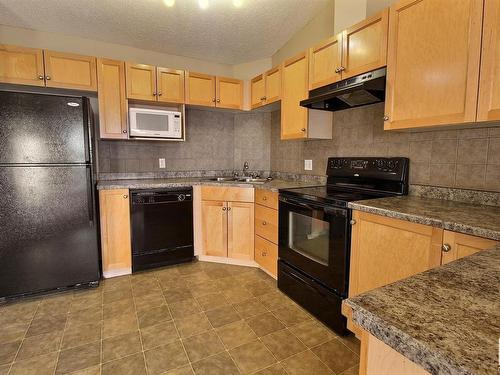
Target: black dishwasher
x: 162, y: 227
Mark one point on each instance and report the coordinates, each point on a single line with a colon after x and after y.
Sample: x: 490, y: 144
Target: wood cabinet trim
x: 383, y: 18
x: 472, y: 71
x: 53, y: 82
x: 103, y: 105
x: 180, y: 98
x: 489, y: 83
x: 38, y: 66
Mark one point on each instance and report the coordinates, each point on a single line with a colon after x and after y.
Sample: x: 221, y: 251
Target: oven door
x: 314, y: 238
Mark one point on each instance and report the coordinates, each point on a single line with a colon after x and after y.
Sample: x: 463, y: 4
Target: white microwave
x: 155, y: 123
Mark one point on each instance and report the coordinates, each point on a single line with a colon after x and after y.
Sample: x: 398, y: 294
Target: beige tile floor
x: 202, y: 318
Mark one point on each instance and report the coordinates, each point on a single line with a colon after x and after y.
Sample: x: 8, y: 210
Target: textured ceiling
x: 221, y: 33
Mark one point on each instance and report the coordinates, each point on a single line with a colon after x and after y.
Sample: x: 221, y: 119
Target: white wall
x: 348, y: 12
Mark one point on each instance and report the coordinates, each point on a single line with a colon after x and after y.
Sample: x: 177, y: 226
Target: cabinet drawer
x: 230, y: 194
x: 266, y: 254
x: 266, y: 223
x: 266, y: 198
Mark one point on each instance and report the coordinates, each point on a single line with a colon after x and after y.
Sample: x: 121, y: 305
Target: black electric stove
x: 315, y: 231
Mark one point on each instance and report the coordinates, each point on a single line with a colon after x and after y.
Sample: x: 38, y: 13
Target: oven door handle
x: 316, y: 206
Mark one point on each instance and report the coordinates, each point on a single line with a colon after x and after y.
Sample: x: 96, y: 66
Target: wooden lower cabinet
x: 385, y: 250
x: 266, y: 223
x: 115, y: 232
x: 240, y: 230
x: 266, y: 255
x: 214, y: 227
x: 459, y: 245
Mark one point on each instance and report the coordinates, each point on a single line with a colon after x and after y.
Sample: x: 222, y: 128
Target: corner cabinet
x: 116, y: 245
x: 433, y: 63
x: 112, y: 99
x: 489, y: 85
x: 227, y: 222
x: 459, y: 245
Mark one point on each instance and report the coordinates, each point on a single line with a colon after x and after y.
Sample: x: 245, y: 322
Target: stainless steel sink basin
x: 253, y: 180
x: 222, y: 179
x: 239, y: 179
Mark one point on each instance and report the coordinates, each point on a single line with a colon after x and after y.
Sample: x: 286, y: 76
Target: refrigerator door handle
x: 90, y: 196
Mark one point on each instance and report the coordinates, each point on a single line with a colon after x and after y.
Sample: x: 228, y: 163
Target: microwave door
x: 154, y: 124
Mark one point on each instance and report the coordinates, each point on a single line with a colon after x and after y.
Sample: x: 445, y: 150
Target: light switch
x: 308, y: 165
x: 162, y: 162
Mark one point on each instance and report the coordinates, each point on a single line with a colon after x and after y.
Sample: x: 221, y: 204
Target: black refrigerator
x: 48, y: 222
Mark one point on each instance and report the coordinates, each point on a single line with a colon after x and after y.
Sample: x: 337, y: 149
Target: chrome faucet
x: 245, y: 169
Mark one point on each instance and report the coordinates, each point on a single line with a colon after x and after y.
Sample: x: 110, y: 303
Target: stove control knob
x: 181, y: 197
x: 391, y: 165
x: 380, y: 163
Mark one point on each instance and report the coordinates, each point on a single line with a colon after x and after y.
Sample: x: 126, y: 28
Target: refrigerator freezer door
x: 36, y: 128
x: 47, y: 226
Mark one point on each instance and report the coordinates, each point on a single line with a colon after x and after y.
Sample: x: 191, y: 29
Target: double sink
x: 252, y: 180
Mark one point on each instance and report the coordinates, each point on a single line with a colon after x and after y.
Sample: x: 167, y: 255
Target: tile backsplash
x: 223, y: 141
x: 466, y: 158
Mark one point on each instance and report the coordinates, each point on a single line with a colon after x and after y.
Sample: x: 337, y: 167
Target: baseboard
x: 117, y: 272
x: 236, y: 262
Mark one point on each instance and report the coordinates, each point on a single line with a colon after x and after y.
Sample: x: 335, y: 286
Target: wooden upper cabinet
x: 240, y: 236
x: 294, y: 118
x: 22, y: 66
x: 258, y: 91
x: 433, y: 63
x: 70, y: 71
x: 214, y: 227
x: 273, y: 85
x: 325, y: 60
x: 170, y: 85
x: 458, y: 245
x: 112, y: 98
x: 385, y: 250
x: 489, y: 85
x: 200, y: 89
x: 115, y: 232
x: 365, y: 45
x: 229, y: 93
x: 141, y: 81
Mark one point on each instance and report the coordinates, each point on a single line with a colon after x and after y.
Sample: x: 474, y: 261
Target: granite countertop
x: 477, y: 220
x: 155, y: 183
x: 446, y: 320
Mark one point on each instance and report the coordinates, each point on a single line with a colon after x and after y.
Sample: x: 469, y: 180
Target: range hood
x: 364, y: 89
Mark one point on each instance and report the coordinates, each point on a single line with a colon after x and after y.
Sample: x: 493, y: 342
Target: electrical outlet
x: 308, y: 165
x: 161, y: 162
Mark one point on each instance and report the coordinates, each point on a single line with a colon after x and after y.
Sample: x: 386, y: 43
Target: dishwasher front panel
x: 162, y: 228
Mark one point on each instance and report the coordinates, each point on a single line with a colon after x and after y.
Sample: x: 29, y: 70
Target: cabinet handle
x: 386, y: 118
x: 124, y: 131
x: 223, y: 208
x: 264, y: 254
x: 265, y: 97
x: 125, y: 196
x: 159, y: 93
x: 264, y: 223
x: 352, y: 222
x: 337, y: 70
x: 154, y: 93
x: 303, y: 129
x: 213, y: 100
x: 218, y: 100
x: 264, y: 198
x: 47, y: 78
x: 341, y: 69
x: 446, y: 247
x: 40, y: 78
x: 229, y: 208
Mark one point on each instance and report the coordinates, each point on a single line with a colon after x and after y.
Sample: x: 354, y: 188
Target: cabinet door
x: 458, y: 245
x: 266, y: 223
x: 115, y: 232
x: 294, y: 89
x: 365, y: 45
x: 489, y: 86
x: 273, y: 85
x: 385, y: 250
x: 325, y: 60
x: 433, y: 63
x: 214, y: 227
x: 229, y: 93
x: 22, y: 66
x: 112, y: 99
x: 170, y: 85
x: 240, y: 236
x: 257, y: 88
x: 70, y: 71
x: 266, y: 254
x: 200, y: 89
x: 141, y: 81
